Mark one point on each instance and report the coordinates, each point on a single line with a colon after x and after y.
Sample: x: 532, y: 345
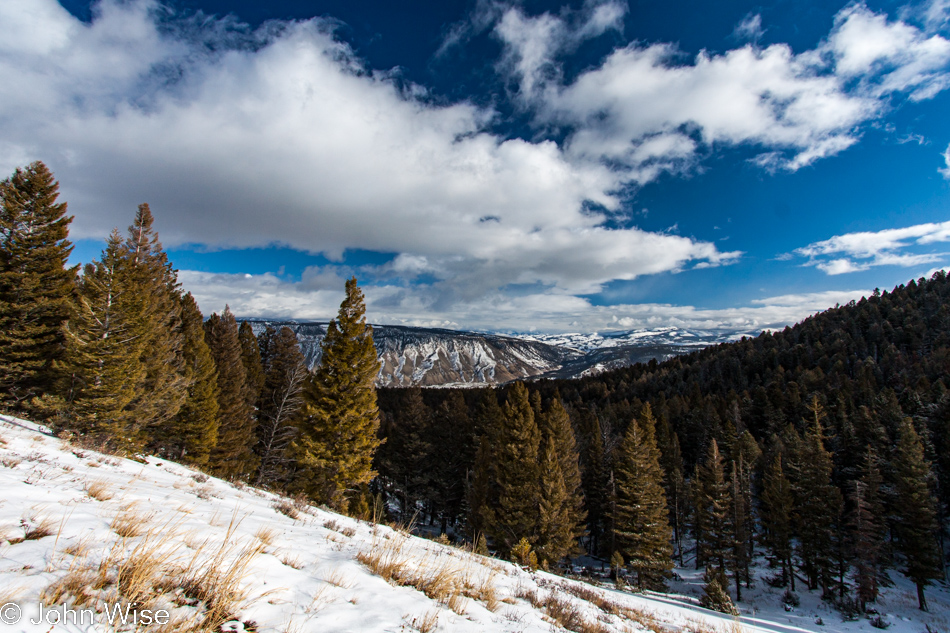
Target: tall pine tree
x: 36, y: 288
x: 335, y: 448
x: 191, y: 435
x: 640, y: 516
x: 279, y: 404
x: 106, y: 340
x: 232, y: 456
x: 916, y: 514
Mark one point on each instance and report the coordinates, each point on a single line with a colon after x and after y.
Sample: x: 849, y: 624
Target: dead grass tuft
x: 426, y: 623
x: 98, y: 489
x: 266, y: 535
x: 130, y: 523
x: 287, y: 508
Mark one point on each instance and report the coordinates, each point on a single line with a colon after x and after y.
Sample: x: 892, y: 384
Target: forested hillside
x: 827, y: 443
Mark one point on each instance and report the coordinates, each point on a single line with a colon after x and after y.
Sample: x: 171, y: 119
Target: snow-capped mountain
x: 436, y: 357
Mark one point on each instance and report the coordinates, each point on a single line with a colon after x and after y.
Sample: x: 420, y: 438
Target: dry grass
x: 98, y: 489
x: 130, y: 523
x: 153, y: 570
x: 337, y: 579
x: 266, y: 535
x: 294, y: 561
x: 332, y: 524
x: 426, y: 623
x: 444, y: 581
x: 348, y: 531
x: 287, y: 508
x: 35, y: 528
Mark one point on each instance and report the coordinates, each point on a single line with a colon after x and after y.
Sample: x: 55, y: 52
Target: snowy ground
x: 91, y: 531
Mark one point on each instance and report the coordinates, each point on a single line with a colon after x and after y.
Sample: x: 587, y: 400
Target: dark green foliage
x: 407, y: 454
x: 106, y: 341
x: 776, y: 514
x: 232, y: 456
x: 562, y: 501
x: 714, y: 508
x: 279, y: 404
x: 334, y: 450
x: 156, y: 282
x: 916, y: 515
x: 817, y: 503
x: 867, y: 527
x: 36, y: 290
x: 251, y: 359
x: 514, y: 450
x: 640, y: 516
x: 715, y: 596
x: 191, y: 435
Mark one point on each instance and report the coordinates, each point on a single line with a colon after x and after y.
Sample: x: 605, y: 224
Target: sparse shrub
x: 522, y: 554
x: 791, y: 598
x: 332, y: 525
x: 879, y: 623
x: 287, y: 508
x: 715, y: 596
x: 200, y: 478
x: 348, y: 531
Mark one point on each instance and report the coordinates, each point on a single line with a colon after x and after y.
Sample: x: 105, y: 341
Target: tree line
x: 824, y: 447
x: 117, y: 355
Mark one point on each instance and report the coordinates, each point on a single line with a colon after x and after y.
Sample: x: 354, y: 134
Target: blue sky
x: 499, y: 165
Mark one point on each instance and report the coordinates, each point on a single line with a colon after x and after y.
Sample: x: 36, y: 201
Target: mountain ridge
x: 440, y: 357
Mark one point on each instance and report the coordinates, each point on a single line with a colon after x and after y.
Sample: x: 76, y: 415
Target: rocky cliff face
x: 430, y: 357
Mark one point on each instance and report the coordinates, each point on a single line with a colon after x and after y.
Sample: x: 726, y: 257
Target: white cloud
x: 268, y: 296
x: 945, y: 171
x: 797, y: 108
x: 882, y: 248
x: 750, y: 29
x: 282, y: 135
x: 294, y: 141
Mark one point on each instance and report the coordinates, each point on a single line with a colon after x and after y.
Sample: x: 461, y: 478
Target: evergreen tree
x: 594, y: 480
x: 36, y: 288
x: 453, y: 451
x: 193, y: 433
x: 640, y: 518
x: 916, y: 514
x: 516, y: 473
x: 106, y: 338
x: 817, y: 504
x: 556, y: 526
x: 556, y: 424
x: 407, y: 454
x: 232, y: 456
x: 252, y: 361
x: 867, y: 527
x: 279, y: 404
x: 776, y: 512
x: 166, y: 385
x: 714, y: 505
x: 335, y: 448
x: 482, y: 494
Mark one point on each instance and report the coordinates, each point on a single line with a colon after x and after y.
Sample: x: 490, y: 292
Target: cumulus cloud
x: 649, y: 110
x: 292, y: 140
x: 882, y: 248
x: 282, y: 135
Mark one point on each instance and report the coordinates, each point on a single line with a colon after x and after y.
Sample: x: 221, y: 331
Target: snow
x: 304, y: 574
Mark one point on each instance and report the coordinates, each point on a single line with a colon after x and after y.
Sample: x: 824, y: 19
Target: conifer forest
x: 822, y: 449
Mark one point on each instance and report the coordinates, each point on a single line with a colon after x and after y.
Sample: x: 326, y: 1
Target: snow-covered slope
x: 92, y: 532
x: 438, y: 357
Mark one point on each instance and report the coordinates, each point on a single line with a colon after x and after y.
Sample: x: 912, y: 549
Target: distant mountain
x: 430, y: 357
